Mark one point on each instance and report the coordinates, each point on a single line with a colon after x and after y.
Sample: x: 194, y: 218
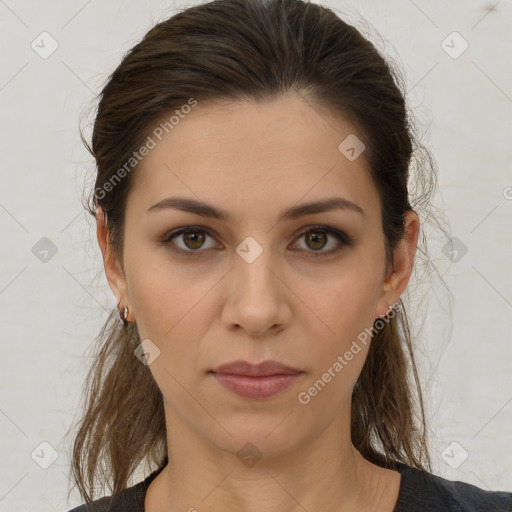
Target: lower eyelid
x: 342, y: 238
x: 168, y: 239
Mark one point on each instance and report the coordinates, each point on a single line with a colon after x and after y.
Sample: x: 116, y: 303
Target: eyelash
x: 343, y: 238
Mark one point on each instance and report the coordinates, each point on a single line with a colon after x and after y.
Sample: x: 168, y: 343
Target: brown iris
x: 314, y: 237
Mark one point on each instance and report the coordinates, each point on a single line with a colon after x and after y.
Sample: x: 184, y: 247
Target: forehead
x: 252, y: 154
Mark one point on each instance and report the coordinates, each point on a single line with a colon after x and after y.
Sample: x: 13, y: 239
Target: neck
x: 324, y: 473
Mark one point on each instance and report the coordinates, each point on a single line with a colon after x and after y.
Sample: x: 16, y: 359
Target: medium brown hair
x: 254, y: 50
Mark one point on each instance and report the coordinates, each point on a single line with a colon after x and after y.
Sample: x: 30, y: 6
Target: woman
x: 257, y: 232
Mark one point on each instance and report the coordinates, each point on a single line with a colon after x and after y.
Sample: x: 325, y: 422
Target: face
x: 256, y: 284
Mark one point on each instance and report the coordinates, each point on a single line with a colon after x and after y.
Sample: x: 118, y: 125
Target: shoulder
x: 421, y: 491
x: 131, y: 498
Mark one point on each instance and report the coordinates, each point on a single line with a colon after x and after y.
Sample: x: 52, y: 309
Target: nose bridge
x: 252, y: 268
x: 255, y: 302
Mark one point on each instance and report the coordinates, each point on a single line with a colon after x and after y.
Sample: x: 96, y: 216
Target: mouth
x: 263, y: 369
x: 256, y: 381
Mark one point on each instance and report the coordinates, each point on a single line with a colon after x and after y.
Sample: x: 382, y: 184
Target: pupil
x: 195, y: 238
x: 315, y: 237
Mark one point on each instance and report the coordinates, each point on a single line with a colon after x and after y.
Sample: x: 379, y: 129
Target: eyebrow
x: 206, y: 210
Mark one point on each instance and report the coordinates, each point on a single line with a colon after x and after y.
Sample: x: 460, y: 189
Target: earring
x: 123, y: 314
x: 395, y: 305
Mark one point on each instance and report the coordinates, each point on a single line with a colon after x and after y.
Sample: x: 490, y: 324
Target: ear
x: 113, y: 268
x: 403, y: 258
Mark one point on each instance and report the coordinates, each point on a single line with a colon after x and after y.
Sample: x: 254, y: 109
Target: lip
x: 262, y: 369
x: 255, y: 381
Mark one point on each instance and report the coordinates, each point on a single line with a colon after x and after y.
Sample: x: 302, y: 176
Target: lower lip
x: 256, y: 387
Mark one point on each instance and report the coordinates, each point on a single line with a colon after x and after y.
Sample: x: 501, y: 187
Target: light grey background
x: 51, y: 311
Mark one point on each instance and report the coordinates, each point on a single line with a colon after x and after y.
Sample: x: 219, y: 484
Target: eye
x: 193, y: 238
x: 316, y: 238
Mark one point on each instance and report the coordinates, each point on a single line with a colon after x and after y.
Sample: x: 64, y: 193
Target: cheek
x: 342, y: 306
x: 338, y: 319
x: 172, y: 308
x: 159, y: 298
x: 156, y: 301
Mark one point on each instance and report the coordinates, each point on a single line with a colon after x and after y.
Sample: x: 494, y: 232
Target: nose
x: 258, y: 299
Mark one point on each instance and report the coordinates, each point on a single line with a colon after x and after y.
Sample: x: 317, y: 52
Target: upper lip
x: 262, y: 369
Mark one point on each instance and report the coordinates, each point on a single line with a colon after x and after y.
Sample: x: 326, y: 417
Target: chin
x: 255, y: 437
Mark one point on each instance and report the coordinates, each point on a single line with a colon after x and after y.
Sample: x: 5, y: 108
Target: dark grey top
x: 419, y: 492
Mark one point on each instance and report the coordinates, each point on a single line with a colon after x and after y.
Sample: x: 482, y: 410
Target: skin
x: 255, y: 160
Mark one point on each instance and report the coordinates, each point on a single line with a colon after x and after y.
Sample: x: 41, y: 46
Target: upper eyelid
x: 342, y: 237
x: 181, y: 230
